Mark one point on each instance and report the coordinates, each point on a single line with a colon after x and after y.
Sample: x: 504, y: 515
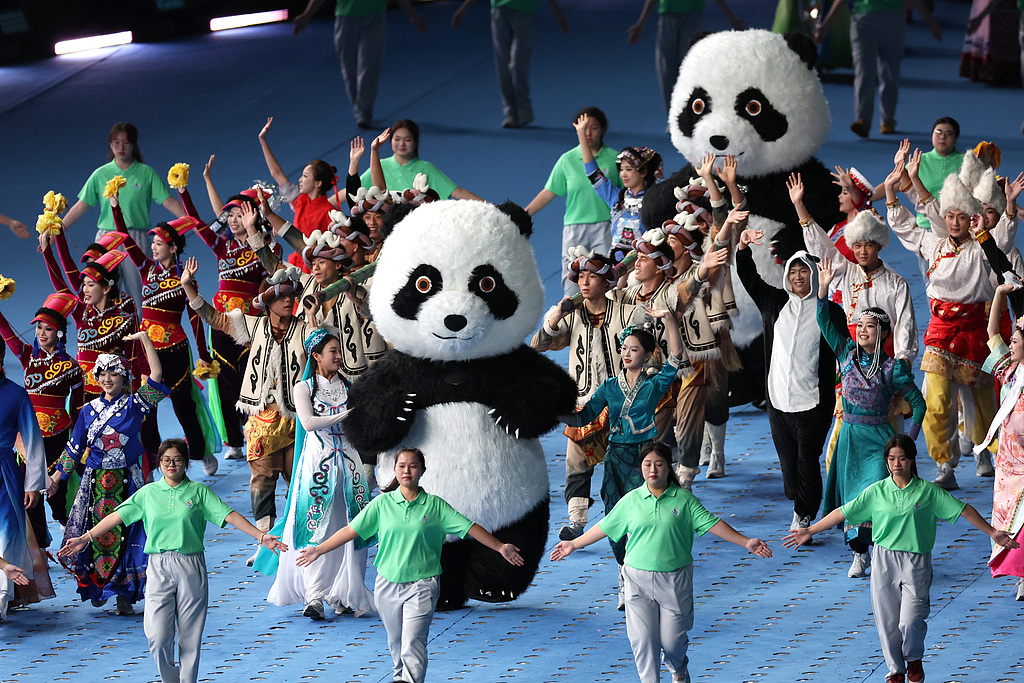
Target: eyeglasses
x: 944, y: 133
x: 175, y: 462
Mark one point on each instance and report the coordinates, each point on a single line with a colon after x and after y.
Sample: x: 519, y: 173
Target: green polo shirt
x: 400, y: 177
x: 567, y: 179
x: 174, y: 517
x: 409, y: 533
x: 359, y: 8
x: 680, y: 6
x: 660, y: 530
x: 142, y: 187
x: 903, y: 519
x: 933, y: 172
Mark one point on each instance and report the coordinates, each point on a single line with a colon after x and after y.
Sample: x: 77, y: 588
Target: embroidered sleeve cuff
x: 65, y: 464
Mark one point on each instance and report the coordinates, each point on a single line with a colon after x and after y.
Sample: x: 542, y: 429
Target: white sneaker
x: 210, y: 464
x: 1020, y: 590
x: 983, y: 464
x: 861, y: 562
x: 234, y: 453
x: 314, y: 610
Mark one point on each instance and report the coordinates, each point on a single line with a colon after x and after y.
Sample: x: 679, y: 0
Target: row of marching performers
x: 257, y: 332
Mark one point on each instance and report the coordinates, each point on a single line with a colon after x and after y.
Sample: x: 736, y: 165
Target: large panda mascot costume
x: 755, y: 95
x: 455, y: 292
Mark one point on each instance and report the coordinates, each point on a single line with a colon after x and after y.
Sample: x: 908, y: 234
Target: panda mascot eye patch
x: 486, y: 282
x: 424, y: 282
x: 753, y: 105
x: 697, y: 106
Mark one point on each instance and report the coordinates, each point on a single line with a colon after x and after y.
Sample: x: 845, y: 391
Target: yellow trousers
x: 940, y: 417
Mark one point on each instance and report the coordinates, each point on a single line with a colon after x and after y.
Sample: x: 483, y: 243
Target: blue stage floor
x: 795, y: 617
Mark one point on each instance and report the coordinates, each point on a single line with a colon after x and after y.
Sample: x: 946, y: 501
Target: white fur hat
x: 971, y: 169
x: 955, y: 195
x: 866, y: 226
x: 988, y: 191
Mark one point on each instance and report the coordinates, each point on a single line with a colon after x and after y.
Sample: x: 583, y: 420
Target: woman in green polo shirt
x: 174, y: 512
x: 903, y: 510
x: 410, y: 525
x: 659, y: 519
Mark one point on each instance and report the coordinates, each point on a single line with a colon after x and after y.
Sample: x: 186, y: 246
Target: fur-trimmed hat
x: 866, y: 226
x: 988, y: 191
x: 971, y: 169
x: 864, y: 188
x: 955, y: 195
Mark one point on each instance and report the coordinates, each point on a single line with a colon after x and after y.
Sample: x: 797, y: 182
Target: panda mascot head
x: 467, y: 290
x: 764, y: 105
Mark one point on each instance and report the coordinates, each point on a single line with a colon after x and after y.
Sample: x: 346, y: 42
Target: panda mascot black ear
x: 803, y: 46
x: 519, y: 217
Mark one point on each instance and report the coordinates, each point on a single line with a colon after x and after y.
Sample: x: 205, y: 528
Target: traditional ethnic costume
x: 870, y: 381
x: 328, y: 489
x: 959, y: 289
x: 594, y: 356
x: 106, y: 440
x: 274, y: 366
x: 163, y: 302
x: 1007, y: 512
x: 361, y: 344
x: 624, y: 204
x: 50, y: 379
x: 239, y: 276
x: 17, y: 541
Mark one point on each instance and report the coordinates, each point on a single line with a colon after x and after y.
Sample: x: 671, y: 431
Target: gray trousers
x: 596, y: 236
x: 407, y: 610
x: 359, y: 43
x: 176, y: 592
x: 512, y: 39
x: 900, y: 582
x: 659, y: 613
x: 675, y: 31
x: 877, y: 40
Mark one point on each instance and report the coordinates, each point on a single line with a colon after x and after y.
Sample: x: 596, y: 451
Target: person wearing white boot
x: 591, y: 329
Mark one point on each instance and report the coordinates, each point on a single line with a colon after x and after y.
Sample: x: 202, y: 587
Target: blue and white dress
x: 328, y: 488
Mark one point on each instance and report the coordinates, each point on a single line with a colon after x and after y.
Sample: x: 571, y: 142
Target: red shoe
x: 915, y: 671
x: 894, y: 678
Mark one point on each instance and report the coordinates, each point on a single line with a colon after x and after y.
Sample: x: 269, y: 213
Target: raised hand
x: 826, y: 273
x: 266, y: 127
x: 188, y: 271
x: 751, y: 236
x: 795, y: 185
x: 914, y: 163
x: 378, y: 141
x: 727, y: 171
x: 356, y: 149
x: 208, y: 167
x: 902, y: 151
x: 707, y: 165
x: 249, y: 217
x: 581, y: 123
x: 1013, y: 189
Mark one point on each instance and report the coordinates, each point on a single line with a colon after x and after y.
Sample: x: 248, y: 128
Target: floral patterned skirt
x: 114, y: 563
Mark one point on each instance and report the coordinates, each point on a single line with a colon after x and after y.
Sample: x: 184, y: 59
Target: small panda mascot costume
x: 767, y: 109
x: 455, y: 292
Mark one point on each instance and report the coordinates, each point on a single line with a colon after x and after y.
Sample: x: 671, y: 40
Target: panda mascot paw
x: 455, y: 292
x: 766, y: 109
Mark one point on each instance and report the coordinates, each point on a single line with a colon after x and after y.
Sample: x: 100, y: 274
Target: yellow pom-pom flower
x: 114, y: 186
x: 177, y: 177
x: 6, y: 288
x: 55, y: 202
x: 49, y: 221
x: 206, y: 371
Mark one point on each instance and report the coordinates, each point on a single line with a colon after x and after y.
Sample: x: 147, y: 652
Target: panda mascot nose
x: 719, y: 142
x: 455, y: 322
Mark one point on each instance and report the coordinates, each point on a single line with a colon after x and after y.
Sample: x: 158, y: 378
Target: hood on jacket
x: 809, y: 261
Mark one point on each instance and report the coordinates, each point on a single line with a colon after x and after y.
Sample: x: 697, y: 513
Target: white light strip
x: 92, y: 43
x: 240, y: 20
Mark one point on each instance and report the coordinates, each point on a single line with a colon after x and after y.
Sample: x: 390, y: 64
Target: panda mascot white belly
x: 455, y: 292
x: 766, y: 108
